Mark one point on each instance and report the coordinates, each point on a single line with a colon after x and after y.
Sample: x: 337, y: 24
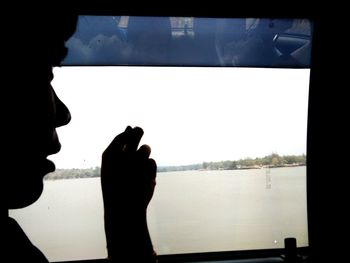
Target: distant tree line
x: 74, y: 173
x: 190, y: 167
x: 271, y: 161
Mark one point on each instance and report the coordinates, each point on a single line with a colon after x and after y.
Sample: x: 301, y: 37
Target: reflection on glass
x: 190, y: 41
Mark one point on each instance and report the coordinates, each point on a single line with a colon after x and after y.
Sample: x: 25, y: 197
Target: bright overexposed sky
x: 189, y: 115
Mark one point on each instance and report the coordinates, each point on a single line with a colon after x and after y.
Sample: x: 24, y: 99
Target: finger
x: 152, y: 168
x: 118, y: 143
x: 133, y: 137
x: 144, y: 151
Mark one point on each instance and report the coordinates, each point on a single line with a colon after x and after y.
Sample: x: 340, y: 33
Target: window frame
x: 222, y: 11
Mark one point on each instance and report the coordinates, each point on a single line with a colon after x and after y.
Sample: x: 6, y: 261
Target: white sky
x: 189, y: 115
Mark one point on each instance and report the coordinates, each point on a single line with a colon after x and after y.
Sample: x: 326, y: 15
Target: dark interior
x: 326, y: 123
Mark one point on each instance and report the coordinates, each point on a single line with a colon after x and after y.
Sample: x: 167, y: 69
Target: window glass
x: 230, y: 144
x: 191, y: 41
x: 229, y: 141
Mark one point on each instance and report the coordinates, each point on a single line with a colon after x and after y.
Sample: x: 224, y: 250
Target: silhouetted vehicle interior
x: 262, y: 38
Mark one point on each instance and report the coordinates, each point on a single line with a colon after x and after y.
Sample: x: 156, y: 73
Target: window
x: 223, y: 103
x: 190, y: 41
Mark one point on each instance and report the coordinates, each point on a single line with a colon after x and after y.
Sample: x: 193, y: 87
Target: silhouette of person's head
x: 33, y: 109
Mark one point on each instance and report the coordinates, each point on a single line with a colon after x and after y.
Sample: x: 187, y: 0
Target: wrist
x: 127, y: 234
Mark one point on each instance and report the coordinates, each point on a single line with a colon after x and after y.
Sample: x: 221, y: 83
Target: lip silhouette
x: 49, y: 166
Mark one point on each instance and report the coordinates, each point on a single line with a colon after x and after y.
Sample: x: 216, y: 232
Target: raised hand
x: 128, y: 180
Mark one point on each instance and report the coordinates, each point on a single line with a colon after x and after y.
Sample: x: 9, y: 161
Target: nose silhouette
x: 63, y: 115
